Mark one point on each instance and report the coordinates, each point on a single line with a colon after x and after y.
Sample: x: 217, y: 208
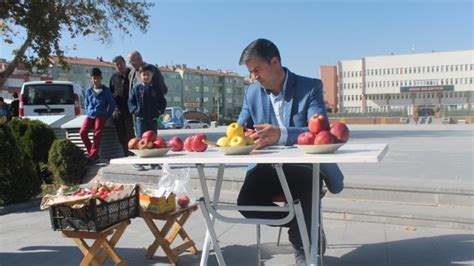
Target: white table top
x: 348, y: 153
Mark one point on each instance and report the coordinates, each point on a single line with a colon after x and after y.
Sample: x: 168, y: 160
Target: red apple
x: 306, y: 138
x: 318, y: 123
x: 183, y: 201
x: 176, y: 144
x: 133, y: 144
x: 324, y: 137
x: 340, y: 131
x: 159, y: 143
x: 198, y: 144
x: 188, y: 143
x: 142, y: 144
x: 149, y: 136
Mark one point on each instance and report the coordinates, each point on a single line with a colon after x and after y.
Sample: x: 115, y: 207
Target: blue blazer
x: 303, y: 97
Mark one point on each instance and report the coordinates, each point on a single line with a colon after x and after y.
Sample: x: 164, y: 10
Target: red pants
x: 98, y: 125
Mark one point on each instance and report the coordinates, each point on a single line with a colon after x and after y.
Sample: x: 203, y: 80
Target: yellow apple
x: 234, y: 130
x: 237, y: 141
x: 248, y: 140
x: 223, y: 142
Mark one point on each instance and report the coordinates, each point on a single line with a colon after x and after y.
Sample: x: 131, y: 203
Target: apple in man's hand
x: 318, y: 123
x: 306, y: 138
x: 176, y: 144
x: 340, y: 131
x: 183, y: 201
x: 324, y: 137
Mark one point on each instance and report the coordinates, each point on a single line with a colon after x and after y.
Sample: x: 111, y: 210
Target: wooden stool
x: 172, y: 227
x: 100, y: 240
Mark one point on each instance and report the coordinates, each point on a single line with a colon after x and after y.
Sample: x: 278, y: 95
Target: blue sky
x: 212, y: 33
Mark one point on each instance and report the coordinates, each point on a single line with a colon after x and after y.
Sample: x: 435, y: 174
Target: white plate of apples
x: 321, y: 137
x: 150, y: 145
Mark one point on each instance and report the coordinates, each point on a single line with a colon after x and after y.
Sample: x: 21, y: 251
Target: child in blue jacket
x: 99, y: 107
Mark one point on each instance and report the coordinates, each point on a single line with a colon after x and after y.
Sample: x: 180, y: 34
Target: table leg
x: 210, y: 233
x: 315, y: 230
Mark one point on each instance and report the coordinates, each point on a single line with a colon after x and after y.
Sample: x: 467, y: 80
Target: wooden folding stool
x: 91, y: 256
x: 173, y: 226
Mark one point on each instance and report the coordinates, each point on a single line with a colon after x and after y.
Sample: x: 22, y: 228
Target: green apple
x: 237, y: 141
x: 234, y: 130
x: 223, y: 142
x: 248, y: 140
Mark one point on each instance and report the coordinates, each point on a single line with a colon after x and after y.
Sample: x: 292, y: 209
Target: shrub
x: 66, y: 162
x: 18, y: 179
x: 34, y: 137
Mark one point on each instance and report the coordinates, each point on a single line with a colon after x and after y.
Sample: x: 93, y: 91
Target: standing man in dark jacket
x: 119, y: 86
x: 135, y: 59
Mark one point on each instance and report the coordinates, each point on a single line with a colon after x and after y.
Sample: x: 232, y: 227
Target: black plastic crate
x: 95, y: 217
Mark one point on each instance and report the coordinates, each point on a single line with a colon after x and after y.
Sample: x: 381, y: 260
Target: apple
x: 188, y: 143
x: 340, y: 131
x: 159, y: 143
x: 149, y: 136
x: 318, y: 123
x: 176, y: 144
x: 306, y: 138
x: 133, y: 144
x: 183, y: 201
x: 237, y: 141
x: 248, y: 140
x: 142, y: 144
x: 234, y: 130
x: 223, y: 142
x: 324, y: 137
x: 198, y: 144
x: 249, y: 132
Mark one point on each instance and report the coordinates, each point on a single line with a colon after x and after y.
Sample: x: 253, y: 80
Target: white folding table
x: 277, y: 156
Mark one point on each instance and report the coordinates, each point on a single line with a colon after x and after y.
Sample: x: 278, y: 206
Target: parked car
x: 192, y: 123
x: 51, y: 97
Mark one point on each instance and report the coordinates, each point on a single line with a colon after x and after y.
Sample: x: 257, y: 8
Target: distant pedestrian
x: 3, y: 108
x: 119, y: 86
x: 14, y: 105
x: 99, y: 107
x: 416, y: 118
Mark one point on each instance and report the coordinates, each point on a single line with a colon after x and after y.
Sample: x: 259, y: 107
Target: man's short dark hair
x: 118, y: 58
x: 15, y: 95
x: 146, y: 67
x: 95, y: 72
x: 261, y: 48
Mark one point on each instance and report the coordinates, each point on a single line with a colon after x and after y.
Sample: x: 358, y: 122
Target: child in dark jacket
x: 99, y: 107
x: 146, y: 102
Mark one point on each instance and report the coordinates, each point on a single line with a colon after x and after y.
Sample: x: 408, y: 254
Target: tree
x: 45, y: 21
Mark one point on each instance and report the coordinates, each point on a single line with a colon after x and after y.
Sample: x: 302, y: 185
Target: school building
x: 401, y: 82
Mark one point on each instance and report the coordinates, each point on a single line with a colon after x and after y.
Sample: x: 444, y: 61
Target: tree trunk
x: 12, y: 66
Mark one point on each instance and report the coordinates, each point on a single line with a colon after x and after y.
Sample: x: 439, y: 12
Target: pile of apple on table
x: 322, y: 133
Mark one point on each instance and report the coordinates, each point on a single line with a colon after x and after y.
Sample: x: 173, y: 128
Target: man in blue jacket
x: 99, y: 107
x: 278, y: 106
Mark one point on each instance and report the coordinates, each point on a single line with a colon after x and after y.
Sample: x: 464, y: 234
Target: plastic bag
x: 174, y: 181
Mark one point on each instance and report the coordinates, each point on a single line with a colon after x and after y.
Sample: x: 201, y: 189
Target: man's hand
x: 116, y: 115
x: 268, y: 134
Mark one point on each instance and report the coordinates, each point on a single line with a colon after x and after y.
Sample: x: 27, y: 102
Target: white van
x: 51, y: 97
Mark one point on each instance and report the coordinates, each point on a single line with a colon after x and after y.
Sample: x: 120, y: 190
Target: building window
x: 186, y: 87
x: 177, y: 99
x: 206, y: 99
